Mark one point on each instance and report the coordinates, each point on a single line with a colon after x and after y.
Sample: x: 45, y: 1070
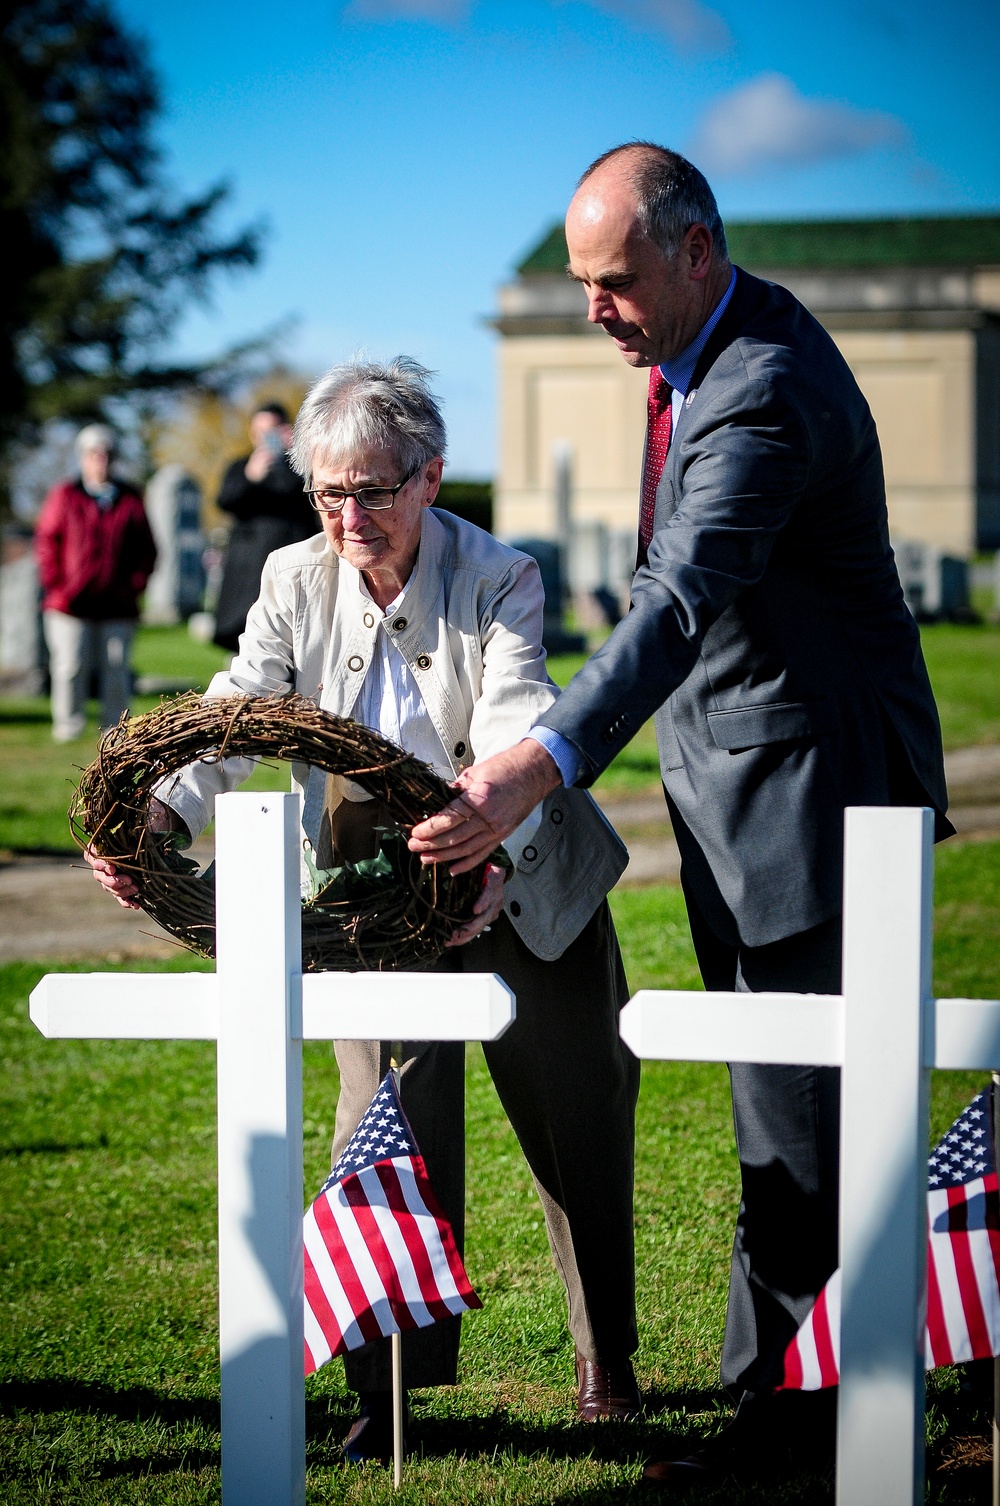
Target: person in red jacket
x: 95, y: 554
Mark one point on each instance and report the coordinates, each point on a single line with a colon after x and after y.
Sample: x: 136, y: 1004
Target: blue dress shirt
x: 678, y: 372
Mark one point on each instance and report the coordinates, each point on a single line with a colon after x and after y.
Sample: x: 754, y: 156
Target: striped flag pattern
x: 963, y: 1262
x: 380, y: 1256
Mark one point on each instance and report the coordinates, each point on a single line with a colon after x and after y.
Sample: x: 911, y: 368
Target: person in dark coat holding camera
x: 264, y: 496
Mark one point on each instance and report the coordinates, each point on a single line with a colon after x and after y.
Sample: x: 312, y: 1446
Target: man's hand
x: 485, y: 910
x: 495, y: 796
x: 159, y: 817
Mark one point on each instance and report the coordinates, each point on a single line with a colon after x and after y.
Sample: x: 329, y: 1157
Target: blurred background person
x: 95, y: 554
x: 265, y: 497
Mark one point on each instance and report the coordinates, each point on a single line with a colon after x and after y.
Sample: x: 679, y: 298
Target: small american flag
x: 963, y: 1263
x: 380, y: 1256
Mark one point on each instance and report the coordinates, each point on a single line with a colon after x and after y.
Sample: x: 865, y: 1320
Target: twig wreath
x: 389, y: 912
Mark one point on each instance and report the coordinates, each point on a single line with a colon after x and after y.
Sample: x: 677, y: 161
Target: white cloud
x: 691, y: 26
x: 767, y: 122
x: 442, y: 12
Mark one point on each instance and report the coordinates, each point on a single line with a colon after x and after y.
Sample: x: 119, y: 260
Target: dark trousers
x: 787, y: 1137
x: 568, y: 1085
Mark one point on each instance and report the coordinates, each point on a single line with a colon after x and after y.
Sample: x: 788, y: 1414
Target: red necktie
x: 659, y: 414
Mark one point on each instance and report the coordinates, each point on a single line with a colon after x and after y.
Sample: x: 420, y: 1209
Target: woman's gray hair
x: 361, y: 406
x: 97, y: 437
x: 671, y: 195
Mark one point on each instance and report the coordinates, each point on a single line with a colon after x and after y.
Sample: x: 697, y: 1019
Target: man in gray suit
x: 769, y: 636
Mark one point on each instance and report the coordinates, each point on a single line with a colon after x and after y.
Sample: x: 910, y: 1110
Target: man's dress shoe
x: 702, y: 1467
x: 768, y: 1435
x: 606, y: 1390
x: 370, y: 1438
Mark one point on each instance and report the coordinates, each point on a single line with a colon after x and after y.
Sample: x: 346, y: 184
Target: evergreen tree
x: 99, y: 260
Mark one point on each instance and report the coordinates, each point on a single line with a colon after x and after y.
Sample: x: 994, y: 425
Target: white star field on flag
x: 965, y: 1151
x: 382, y: 1133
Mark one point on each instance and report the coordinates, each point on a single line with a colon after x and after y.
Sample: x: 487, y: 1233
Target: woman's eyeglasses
x: 371, y: 498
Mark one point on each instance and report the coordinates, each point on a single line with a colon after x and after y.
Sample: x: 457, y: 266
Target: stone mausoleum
x: 914, y: 304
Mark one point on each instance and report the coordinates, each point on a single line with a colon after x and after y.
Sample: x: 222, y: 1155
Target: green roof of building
x: 942, y: 241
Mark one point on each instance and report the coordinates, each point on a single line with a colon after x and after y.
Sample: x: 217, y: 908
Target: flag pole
x: 996, y: 1363
x: 396, y: 1062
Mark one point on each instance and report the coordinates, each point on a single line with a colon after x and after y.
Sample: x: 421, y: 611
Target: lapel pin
x: 690, y: 397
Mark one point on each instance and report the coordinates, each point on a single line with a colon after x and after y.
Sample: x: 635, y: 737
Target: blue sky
x: 405, y: 153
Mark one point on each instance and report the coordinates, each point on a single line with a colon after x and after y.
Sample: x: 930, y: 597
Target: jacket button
x: 557, y: 816
x: 530, y: 854
x: 369, y: 620
x: 515, y: 908
x: 459, y: 750
x: 398, y: 624
x: 355, y: 662
x: 423, y: 661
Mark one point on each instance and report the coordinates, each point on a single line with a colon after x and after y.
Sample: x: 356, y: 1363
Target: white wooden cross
x: 260, y: 1007
x: 885, y: 1032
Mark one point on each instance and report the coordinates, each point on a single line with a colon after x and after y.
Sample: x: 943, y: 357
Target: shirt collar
x: 680, y: 369
x: 103, y: 495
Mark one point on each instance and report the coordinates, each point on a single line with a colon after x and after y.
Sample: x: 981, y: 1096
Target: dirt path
x: 51, y: 907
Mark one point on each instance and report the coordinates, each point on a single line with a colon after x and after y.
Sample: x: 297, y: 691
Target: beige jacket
x: 471, y: 636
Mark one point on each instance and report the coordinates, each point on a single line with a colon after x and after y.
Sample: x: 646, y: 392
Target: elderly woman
x: 424, y: 627
x: 95, y: 554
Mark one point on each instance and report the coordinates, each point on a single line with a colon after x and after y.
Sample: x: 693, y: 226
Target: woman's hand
x: 119, y: 885
x: 485, y: 910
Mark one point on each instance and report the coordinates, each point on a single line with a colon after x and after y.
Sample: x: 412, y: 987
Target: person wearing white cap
x: 95, y: 554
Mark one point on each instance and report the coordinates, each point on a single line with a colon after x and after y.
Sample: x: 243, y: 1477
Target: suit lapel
x: 747, y: 297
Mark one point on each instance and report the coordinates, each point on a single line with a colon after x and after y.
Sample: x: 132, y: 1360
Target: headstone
x: 562, y: 466
x: 201, y: 625
x: 595, y: 602
x: 21, y: 668
x: 547, y: 555
x: 176, y: 588
x: 935, y: 585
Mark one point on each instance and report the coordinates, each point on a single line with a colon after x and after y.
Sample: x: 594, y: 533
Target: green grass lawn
x: 37, y: 777
x: 108, y: 1362
x: 174, y: 654
x: 964, y: 666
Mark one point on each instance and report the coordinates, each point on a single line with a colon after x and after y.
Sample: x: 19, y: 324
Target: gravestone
x: 21, y: 654
x: 935, y: 585
x: 556, y: 638
x: 176, y: 588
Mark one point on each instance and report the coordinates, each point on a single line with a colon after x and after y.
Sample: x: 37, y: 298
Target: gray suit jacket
x: 768, y: 630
